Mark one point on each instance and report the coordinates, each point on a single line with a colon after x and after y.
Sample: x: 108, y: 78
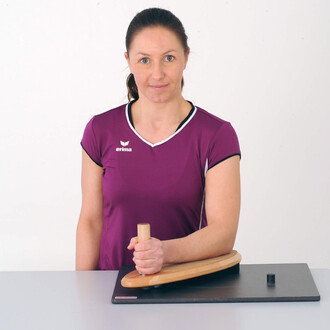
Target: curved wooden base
x: 184, y: 271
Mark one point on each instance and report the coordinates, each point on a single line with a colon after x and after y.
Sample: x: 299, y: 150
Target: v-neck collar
x: 182, y: 125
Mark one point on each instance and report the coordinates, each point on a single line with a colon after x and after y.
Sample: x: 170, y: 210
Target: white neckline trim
x: 161, y: 142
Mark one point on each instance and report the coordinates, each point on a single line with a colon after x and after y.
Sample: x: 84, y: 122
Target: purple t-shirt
x: 161, y: 183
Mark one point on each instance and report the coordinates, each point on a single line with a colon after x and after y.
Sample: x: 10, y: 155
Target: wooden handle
x: 143, y: 230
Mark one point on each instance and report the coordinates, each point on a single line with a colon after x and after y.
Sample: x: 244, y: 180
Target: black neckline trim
x: 188, y: 116
x: 129, y: 110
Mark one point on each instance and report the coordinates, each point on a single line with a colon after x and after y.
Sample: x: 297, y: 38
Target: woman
x: 158, y: 159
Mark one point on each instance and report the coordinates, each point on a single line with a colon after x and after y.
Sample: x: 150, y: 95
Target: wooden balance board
x: 178, y: 272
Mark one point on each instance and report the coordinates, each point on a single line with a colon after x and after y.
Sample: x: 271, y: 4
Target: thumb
x: 132, y: 243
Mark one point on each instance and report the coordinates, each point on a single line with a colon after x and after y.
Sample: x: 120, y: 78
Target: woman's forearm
x: 208, y: 242
x: 88, y: 245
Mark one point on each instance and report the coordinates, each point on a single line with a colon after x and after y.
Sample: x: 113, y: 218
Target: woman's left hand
x: 148, y: 255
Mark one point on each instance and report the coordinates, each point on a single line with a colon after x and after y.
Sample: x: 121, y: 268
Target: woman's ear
x: 186, y: 57
x: 127, y: 59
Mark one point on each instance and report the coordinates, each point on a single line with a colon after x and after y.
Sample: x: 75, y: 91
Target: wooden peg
x: 143, y: 230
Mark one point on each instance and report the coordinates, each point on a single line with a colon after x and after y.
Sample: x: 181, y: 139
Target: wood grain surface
x: 183, y: 271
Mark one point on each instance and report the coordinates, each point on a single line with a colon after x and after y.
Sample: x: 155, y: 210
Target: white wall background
x: 263, y: 65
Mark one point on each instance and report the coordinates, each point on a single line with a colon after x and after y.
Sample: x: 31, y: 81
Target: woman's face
x: 157, y: 60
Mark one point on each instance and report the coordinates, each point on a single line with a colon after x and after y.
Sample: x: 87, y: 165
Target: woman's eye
x: 169, y: 58
x: 144, y: 60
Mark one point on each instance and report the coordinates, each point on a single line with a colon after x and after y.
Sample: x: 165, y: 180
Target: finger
x: 148, y: 270
x: 132, y: 243
x: 153, y: 262
x: 149, y: 255
x: 146, y: 262
x: 151, y: 244
x: 142, y: 246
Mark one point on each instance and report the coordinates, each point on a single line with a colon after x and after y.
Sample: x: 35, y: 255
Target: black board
x: 241, y: 283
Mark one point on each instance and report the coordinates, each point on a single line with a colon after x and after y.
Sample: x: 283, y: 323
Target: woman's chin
x: 160, y: 97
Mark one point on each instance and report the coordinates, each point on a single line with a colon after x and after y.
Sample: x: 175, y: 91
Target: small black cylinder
x: 270, y: 279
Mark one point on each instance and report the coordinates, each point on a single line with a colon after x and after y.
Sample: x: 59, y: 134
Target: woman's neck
x: 156, y: 122
x: 159, y: 115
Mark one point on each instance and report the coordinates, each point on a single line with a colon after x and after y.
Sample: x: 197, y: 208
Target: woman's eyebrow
x: 145, y: 54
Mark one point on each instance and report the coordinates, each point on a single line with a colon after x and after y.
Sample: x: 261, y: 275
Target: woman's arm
x: 89, y: 227
x: 222, y: 206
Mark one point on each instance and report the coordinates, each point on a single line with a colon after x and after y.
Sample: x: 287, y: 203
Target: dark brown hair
x: 146, y: 18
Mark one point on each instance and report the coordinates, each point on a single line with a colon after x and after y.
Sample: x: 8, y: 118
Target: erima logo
x: 124, y: 144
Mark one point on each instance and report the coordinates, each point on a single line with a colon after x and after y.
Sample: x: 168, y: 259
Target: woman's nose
x: 157, y: 71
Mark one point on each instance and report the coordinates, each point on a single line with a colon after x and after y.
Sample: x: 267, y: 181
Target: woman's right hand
x: 148, y: 255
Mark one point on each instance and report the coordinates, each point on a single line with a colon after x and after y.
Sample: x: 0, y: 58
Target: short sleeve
x: 223, y: 145
x: 90, y: 144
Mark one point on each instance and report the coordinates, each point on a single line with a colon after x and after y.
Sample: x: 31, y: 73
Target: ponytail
x: 132, y: 91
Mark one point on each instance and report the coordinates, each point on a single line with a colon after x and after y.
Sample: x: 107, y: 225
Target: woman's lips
x: 158, y: 87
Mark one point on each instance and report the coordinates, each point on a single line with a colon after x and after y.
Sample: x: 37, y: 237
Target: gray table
x: 82, y: 300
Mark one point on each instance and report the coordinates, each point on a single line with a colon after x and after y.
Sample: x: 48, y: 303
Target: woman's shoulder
x: 105, y: 120
x: 103, y: 123
x: 110, y: 114
x: 219, y: 135
x: 208, y: 120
